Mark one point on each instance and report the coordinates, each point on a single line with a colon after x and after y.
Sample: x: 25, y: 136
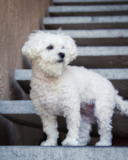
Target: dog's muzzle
x: 61, y: 56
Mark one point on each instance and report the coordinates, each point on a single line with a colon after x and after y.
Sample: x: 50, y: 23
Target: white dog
x: 62, y: 90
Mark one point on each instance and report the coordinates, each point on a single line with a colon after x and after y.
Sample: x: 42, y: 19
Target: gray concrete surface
x: 63, y: 153
x: 118, y: 77
x: 22, y: 107
x: 91, y: 10
x: 100, y: 8
x: 97, y: 37
x: 95, y: 33
x: 102, y: 57
x: 89, y: 2
x: 88, y: 22
x: 17, y: 107
x: 113, y: 74
x: 23, y: 112
x: 103, y: 51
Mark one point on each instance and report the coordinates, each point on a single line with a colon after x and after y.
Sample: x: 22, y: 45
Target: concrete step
x: 89, y: 2
x: 119, y: 78
x: 102, y: 57
x: 88, y: 22
x: 97, y: 37
x: 84, y: 10
x: 23, y: 112
x: 62, y: 153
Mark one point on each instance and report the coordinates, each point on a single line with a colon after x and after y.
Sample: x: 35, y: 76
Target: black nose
x: 62, y: 55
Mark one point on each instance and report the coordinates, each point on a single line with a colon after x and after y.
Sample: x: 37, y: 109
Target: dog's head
x: 50, y: 52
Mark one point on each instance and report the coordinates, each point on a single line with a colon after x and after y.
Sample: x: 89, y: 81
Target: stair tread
x: 89, y: 2
x: 17, y: 107
x: 22, y: 112
x: 96, y: 37
x: 103, y: 51
x: 95, y: 33
x: 22, y: 107
x: 85, y: 20
x: 100, y: 8
x: 117, y: 74
x: 118, y: 77
x: 68, y: 153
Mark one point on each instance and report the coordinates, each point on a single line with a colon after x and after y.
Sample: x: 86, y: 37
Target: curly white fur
x: 69, y: 91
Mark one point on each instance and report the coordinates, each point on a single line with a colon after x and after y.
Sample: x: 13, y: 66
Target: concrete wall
x: 18, y: 18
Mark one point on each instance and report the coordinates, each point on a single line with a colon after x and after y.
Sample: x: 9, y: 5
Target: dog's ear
x: 34, y: 45
x: 71, y: 46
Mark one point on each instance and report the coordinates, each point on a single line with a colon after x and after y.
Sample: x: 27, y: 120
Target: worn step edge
x: 118, y: 77
x: 88, y: 22
x: 117, y: 74
x: 22, y: 107
x: 85, y: 20
x: 89, y: 2
x: 17, y: 107
x: 91, y: 9
x: 97, y: 37
x: 103, y: 51
x: 68, y: 153
x: 95, y: 33
x: 23, y: 113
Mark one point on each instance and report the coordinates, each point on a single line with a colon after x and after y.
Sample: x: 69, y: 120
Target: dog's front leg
x: 73, y: 118
x: 50, y: 128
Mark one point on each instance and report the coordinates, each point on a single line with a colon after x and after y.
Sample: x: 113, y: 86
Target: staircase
x: 100, y: 29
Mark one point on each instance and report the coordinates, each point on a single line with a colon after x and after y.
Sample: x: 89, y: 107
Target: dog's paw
x: 70, y: 142
x: 103, y: 143
x: 48, y: 143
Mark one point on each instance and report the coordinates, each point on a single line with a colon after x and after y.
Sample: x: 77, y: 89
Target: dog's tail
x: 121, y: 105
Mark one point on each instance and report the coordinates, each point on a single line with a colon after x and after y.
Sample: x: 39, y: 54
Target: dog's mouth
x: 60, y: 61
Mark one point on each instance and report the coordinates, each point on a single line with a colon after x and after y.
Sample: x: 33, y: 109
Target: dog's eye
x: 62, y: 47
x: 50, y: 47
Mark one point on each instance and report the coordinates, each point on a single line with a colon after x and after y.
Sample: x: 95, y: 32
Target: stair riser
x: 97, y: 37
x: 88, y: 26
x: 120, y: 85
x: 102, y: 61
x: 119, y: 78
x: 89, y: 13
x: 23, y: 112
x: 32, y: 120
x: 89, y: 2
x: 101, y: 41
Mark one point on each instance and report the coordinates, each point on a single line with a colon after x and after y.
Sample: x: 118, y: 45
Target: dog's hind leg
x: 50, y: 128
x: 84, y: 131
x: 103, y: 113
